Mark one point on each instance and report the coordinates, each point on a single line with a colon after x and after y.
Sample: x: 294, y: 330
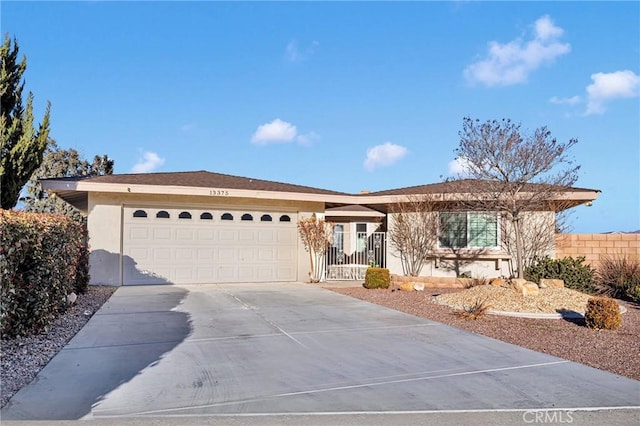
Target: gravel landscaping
x: 21, y: 359
x: 549, y: 301
x: 614, y: 351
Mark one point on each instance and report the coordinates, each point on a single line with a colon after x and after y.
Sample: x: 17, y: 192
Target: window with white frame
x: 338, y: 237
x: 468, y: 230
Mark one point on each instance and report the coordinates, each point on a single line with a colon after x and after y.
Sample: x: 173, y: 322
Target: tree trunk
x: 519, y: 257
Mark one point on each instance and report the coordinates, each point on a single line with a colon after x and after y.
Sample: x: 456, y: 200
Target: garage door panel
x: 247, y: 255
x: 185, y: 235
x: 287, y: 236
x: 227, y: 255
x: 285, y: 274
x: 184, y: 254
x: 227, y: 235
x: 206, y: 274
x: 208, y: 250
x: 267, y: 254
x: 247, y: 273
x: 163, y: 254
x: 205, y: 254
x: 139, y: 253
x: 227, y: 274
x: 246, y: 235
x: 266, y: 274
x: 205, y: 235
x: 267, y: 236
x: 286, y: 254
x: 184, y: 274
x: 139, y: 234
x: 162, y: 233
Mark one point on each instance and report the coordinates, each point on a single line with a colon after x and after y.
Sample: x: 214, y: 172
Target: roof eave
x: 66, y: 189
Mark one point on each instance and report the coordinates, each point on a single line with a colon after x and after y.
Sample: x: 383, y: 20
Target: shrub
x: 82, y: 269
x: 575, y: 275
x: 603, y: 313
x: 475, y: 311
x: 618, y: 276
x: 377, y: 278
x: 40, y: 259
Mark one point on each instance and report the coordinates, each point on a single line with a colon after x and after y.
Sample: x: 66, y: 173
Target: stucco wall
x: 105, y: 226
x: 594, y: 246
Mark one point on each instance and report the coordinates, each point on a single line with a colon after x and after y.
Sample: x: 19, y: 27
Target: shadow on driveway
x: 132, y: 332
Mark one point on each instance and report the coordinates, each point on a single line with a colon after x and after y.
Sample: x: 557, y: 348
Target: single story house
x: 204, y: 227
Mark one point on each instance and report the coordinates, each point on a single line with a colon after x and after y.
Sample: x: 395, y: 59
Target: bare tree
x: 539, y: 232
x: 514, y: 173
x: 316, y: 234
x: 413, y: 231
x: 58, y: 162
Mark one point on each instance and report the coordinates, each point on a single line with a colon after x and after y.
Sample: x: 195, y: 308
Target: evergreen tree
x: 21, y: 146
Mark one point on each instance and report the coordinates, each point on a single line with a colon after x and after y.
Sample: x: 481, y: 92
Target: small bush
x: 603, y: 313
x: 618, y: 276
x: 377, y: 278
x: 575, y: 275
x: 475, y: 311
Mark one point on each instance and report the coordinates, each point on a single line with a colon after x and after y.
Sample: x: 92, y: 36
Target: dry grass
x: 476, y: 311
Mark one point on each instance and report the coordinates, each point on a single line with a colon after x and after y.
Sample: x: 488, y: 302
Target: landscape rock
x: 551, y: 283
x: 406, y: 286
x: 524, y: 287
x: 498, y: 282
x: 418, y: 286
x: 71, y: 298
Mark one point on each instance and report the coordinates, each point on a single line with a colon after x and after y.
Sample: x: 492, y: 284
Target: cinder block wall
x: 593, y: 246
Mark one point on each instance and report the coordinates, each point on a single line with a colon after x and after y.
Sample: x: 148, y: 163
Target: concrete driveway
x: 261, y: 350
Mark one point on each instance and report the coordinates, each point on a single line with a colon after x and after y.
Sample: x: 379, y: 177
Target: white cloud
x: 276, y: 131
x: 147, y: 162
x: 573, y: 100
x: 383, y: 155
x: 511, y: 63
x: 294, y: 54
x: 279, y: 131
x: 459, y: 167
x: 609, y: 86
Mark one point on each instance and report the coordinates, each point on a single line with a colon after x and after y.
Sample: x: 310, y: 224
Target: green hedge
x: 571, y: 270
x: 377, y: 278
x: 43, y: 258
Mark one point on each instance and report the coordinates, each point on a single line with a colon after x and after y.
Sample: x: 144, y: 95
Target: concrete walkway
x: 271, y: 352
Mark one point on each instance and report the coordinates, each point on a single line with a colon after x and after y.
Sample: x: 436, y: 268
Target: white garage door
x: 186, y: 245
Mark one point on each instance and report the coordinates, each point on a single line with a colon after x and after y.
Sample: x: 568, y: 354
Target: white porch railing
x: 351, y: 254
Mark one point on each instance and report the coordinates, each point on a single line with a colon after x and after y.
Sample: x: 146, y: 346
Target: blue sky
x: 338, y: 95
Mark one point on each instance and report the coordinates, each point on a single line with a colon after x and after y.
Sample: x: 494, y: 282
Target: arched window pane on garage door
x: 226, y: 216
x: 163, y: 215
x: 206, y: 216
x: 139, y: 213
x: 285, y: 218
x: 246, y: 216
x: 266, y: 218
x: 184, y: 215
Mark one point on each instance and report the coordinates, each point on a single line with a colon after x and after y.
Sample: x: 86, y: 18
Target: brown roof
x: 460, y: 186
x: 202, y: 179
